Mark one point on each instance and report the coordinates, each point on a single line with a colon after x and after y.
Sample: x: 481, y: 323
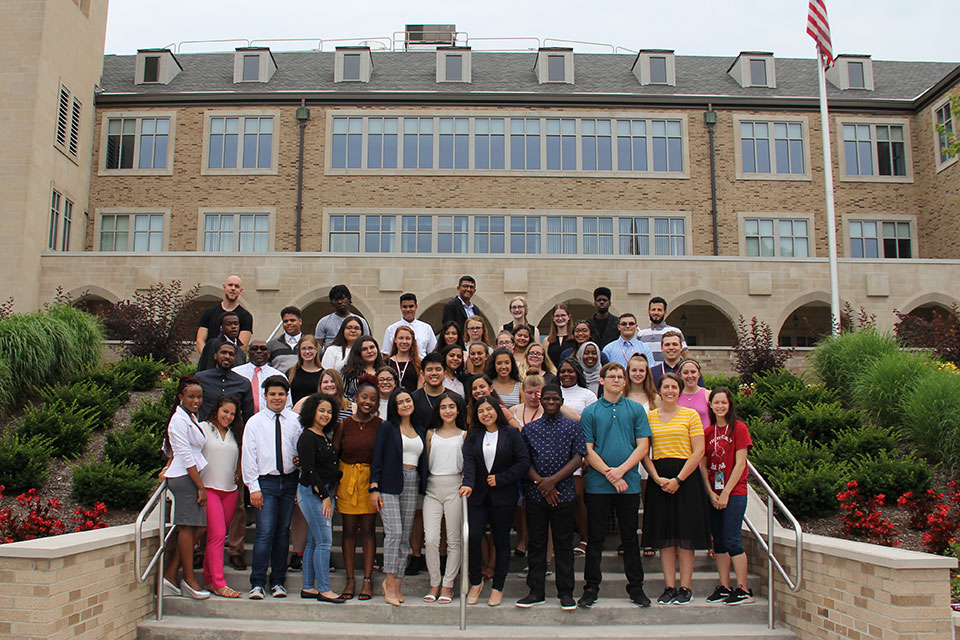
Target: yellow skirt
x: 353, y: 496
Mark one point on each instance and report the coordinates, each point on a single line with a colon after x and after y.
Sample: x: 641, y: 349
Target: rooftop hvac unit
x: 430, y: 34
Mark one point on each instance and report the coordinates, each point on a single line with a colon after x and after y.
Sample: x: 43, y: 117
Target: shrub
x: 116, y: 485
x: 808, y: 492
x: 755, y: 350
x: 155, y: 322
x: 783, y: 402
x: 821, y: 422
x: 863, y: 441
x: 889, y: 474
x: 24, y: 462
x: 787, y: 453
x: 879, y: 390
x: 767, y: 433
x: 941, y: 333
x: 102, y: 402
x: 840, y: 359
x: 137, y: 447
x: 6, y: 385
x: 172, y: 379
x: 86, y: 333
x: 29, y: 352
x: 749, y: 406
x: 711, y: 381
x: 931, y: 417
x: 67, y: 427
x: 118, y: 383
x: 144, y: 369
x: 773, y: 380
x: 152, y: 417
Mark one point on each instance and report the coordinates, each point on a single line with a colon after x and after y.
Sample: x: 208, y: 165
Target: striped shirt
x: 651, y: 335
x: 672, y: 440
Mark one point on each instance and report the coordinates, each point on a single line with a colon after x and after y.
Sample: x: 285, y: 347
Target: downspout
x: 710, y: 117
x: 303, y: 114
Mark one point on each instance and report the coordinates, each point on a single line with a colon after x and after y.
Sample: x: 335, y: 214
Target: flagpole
x: 828, y: 187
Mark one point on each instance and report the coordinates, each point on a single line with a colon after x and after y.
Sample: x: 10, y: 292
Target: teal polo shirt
x: 613, y: 429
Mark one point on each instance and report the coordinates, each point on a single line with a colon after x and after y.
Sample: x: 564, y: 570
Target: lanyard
x: 626, y: 354
x: 719, y: 445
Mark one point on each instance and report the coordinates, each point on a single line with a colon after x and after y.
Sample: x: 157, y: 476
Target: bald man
x: 209, y: 324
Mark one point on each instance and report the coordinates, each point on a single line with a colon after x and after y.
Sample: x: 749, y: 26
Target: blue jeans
x: 273, y: 529
x: 726, y: 525
x: 316, y: 555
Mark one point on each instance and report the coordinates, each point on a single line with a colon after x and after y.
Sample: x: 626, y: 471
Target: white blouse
x: 222, y: 455
x: 490, y: 439
x: 446, y: 455
x: 186, y: 444
x: 335, y: 357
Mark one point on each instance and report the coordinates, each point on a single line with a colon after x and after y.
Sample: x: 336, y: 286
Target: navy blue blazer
x: 509, y: 466
x: 386, y: 468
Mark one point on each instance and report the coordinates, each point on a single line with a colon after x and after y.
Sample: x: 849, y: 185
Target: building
x: 543, y: 173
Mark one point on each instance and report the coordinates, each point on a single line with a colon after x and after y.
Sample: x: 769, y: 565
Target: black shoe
x: 530, y: 600
x: 296, y: 563
x: 640, y: 599
x: 306, y: 595
x: 684, y: 596
x: 719, y: 594
x: 323, y: 598
x: 415, y: 564
x: 739, y: 596
x: 668, y: 596
x: 588, y: 599
x: 567, y: 603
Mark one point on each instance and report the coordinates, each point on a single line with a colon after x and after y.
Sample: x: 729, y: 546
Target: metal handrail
x: 767, y: 547
x: 159, y: 496
x: 464, y: 562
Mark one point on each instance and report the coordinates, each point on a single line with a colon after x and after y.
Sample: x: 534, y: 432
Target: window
x: 488, y: 234
x: 489, y: 143
x: 55, y: 200
x: 137, y: 143
x: 880, y: 239
x: 454, y: 143
x: 418, y: 143
x: 632, y: 145
x: 525, y: 234
x: 667, y: 153
x: 596, y: 141
x: 767, y: 238
x: 634, y: 236
x: 943, y: 117
x: 874, y: 150
x: 669, y: 237
x: 453, y: 68
x: 244, y: 233
x: 74, y: 145
x: 68, y: 122
x: 758, y: 72
x: 67, y: 223
x: 151, y: 69
x: 562, y: 145
x: 345, y: 233
x: 63, y: 117
x: 416, y: 234
x: 771, y: 147
x: 562, y: 235
x: 597, y: 236
x: 241, y: 142
x: 381, y: 234
x: 855, y: 75
x: 351, y: 66
x: 524, y: 143
x: 251, y: 67
x: 658, y: 70
x: 131, y: 232
x: 452, y: 232
x: 555, y: 69
x: 381, y: 142
x: 348, y: 142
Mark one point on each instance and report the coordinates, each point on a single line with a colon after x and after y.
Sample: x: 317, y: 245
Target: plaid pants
x: 397, y: 515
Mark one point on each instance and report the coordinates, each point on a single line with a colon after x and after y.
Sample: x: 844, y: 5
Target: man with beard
x: 657, y: 312
x: 209, y: 323
x: 602, y: 324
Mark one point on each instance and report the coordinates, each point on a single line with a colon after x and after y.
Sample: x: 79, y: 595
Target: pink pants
x: 220, y: 508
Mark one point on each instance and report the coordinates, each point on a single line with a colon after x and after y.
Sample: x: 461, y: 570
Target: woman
x: 573, y: 385
x: 559, y: 337
x: 589, y: 357
x: 184, y: 445
x: 502, y: 370
x: 304, y: 376
x: 405, y: 359
x: 365, y: 359
x: 640, y: 383
x: 335, y: 356
x: 396, y: 479
x: 474, y: 330
x: 675, y: 506
x: 724, y: 472
x: 220, y: 477
x: 693, y: 395
x: 529, y: 408
x: 481, y: 386
x: 518, y: 309
x: 331, y: 383
x: 442, y: 502
x: 495, y: 459
x: 453, y: 368
x: 387, y: 382
x: 319, y: 476
x: 355, y: 441
x: 581, y: 335
x: 535, y: 361
x: 505, y: 340
x: 449, y: 334
x: 522, y: 337
x: 477, y: 355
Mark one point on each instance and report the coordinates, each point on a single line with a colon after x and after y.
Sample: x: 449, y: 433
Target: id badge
x: 718, y: 481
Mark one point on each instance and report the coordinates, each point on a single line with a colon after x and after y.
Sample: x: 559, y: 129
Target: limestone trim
x: 937, y: 106
x: 139, y: 115
x: 841, y: 120
x: 846, y: 218
x: 241, y: 112
x: 271, y: 212
x: 742, y: 216
x: 804, y: 122
x: 166, y: 212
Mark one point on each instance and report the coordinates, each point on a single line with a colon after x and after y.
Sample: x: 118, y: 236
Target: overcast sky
x: 885, y: 29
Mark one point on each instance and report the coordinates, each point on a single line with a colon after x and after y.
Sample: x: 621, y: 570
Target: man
x: 602, y: 324
x: 283, y: 348
x: 459, y: 308
x: 229, y: 331
x: 671, y: 344
x: 426, y: 340
x: 257, y: 370
x: 222, y: 380
x: 269, y: 446
x: 556, y: 445
x: 617, y: 434
x: 650, y: 336
x: 210, y: 318
x: 627, y: 344
x: 329, y: 324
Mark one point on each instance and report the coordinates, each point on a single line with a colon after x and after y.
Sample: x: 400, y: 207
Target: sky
x: 886, y: 29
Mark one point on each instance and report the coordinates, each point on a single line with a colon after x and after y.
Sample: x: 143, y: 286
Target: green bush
x: 7, y: 393
x: 137, y: 447
x: 821, y: 422
x: 783, y: 402
x: 86, y: 334
x: 931, y: 417
x: 29, y: 352
x: 890, y: 474
x: 119, y: 486
x: 866, y: 440
x: 881, y: 387
x: 749, y: 406
x: 145, y: 371
x: 24, y: 462
x: 711, y: 381
x: 787, y: 453
x: 840, y: 359
x: 808, y: 492
x: 169, y: 396
x: 152, y: 417
x: 119, y: 383
x: 768, y: 382
x: 103, y: 402
x: 67, y: 427
x: 767, y: 433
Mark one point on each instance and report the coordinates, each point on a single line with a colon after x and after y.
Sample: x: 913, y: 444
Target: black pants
x: 542, y: 518
x: 500, y: 519
x: 625, y: 506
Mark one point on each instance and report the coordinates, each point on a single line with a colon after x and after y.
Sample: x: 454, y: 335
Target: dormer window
x: 155, y: 66
x: 758, y: 72
x: 453, y: 64
x: 855, y: 75
x: 251, y: 68
x: 658, y: 70
x: 655, y: 66
x: 151, y: 69
x: 555, y: 64
x: 851, y: 72
x: 555, y: 71
x: 253, y: 64
x: 754, y: 69
x: 353, y: 64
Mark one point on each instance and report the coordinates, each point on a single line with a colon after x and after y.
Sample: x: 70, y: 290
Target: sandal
x: 649, y: 552
x: 366, y: 591
x: 432, y: 594
x: 445, y: 598
x: 226, y: 592
x: 580, y: 549
x: 348, y: 589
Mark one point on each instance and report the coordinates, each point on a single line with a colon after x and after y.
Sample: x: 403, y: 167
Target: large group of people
x: 550, y: 436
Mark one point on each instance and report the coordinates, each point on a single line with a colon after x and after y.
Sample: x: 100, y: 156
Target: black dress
x: 303, y: 384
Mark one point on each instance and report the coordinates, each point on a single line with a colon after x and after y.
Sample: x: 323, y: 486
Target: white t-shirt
x: 577, y: 398
x: 490, y: 439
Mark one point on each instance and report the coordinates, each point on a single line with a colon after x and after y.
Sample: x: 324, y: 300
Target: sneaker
x: 739, y: 596
x: 587, y: 600
x: 640, y: 599
x: 525, y: 570
x: 684, y: 596
x: 567, y: 603
x: 296, y: 563
x: 719, y: 594
x: 278, y: 591
x: 549, y: 570
x: 530, y: 600
x: 257, y: 593
x: 669, y: 595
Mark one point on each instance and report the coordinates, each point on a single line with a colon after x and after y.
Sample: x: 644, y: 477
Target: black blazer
x: 509, y: 466
x: 386, y: 468
x: 453, y: 310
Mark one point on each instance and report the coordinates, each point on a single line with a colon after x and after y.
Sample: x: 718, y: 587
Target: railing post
x: 464, y: 561
x: 162, y: 529
x: 770, y: 616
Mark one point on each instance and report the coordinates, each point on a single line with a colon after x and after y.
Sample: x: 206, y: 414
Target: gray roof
x: 513, y: 73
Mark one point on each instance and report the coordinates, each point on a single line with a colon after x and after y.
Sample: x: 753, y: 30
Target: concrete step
x: 183, y: 628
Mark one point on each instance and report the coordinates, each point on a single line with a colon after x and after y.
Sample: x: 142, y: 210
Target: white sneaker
x: 170, y: 589
x: 256, y: 593
x: 277, y: 591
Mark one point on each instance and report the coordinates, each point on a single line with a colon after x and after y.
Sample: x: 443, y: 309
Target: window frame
x: 69, y: 120
x: 839, y: 121
x: 803, y: 120
x: 236, y: 212
x: 777, y: 217
x: 132, y: 211
x: 139, y: 116
x: 955, y: 121
x: 466, y: 72
x: 208, y: 116
x: 846, y: 219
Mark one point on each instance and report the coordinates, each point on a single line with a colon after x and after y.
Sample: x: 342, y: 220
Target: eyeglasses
x: 628, y: 324
x: 534, y: 354
x: 258, y: 348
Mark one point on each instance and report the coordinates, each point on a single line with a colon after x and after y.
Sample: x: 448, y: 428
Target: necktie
x: 255, y: 385
x: 279, y: 444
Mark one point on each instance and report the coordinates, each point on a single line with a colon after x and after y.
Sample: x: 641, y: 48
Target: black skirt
x: 681, y: 519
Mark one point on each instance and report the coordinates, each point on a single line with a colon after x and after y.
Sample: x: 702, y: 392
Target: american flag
x: 819, y: 30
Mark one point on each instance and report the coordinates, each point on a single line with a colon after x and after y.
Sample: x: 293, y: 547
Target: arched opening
x: 702, y: 324
x: 94, y: 305
x: 930, y: 310
x: 321, y: 307
x: 805, y: 325
x: 579, y: 310
x: 193, y: 310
